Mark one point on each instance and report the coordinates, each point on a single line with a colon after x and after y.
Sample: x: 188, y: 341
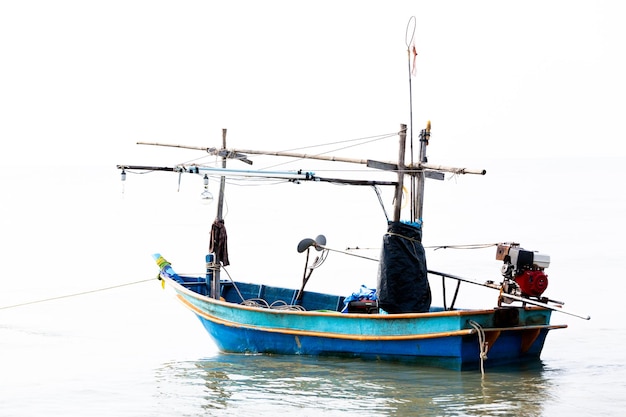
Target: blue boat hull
x: 455, y: 352
x: 447, y: 339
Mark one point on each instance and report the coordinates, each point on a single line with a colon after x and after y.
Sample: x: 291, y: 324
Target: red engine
x: 523, y: 269
x: 532, y: 283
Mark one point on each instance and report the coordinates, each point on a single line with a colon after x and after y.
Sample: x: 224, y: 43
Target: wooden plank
x: 434, y: 175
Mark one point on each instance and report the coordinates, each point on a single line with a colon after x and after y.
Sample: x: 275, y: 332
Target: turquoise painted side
x: 449, y: 352
x: 236, y: 328
x: 333, y: 322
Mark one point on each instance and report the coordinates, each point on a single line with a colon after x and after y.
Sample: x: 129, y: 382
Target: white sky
x: 82, y: 81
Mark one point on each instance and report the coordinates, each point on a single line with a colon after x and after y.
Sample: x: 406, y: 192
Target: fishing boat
x: 397, y: 320
x: 394, y: 321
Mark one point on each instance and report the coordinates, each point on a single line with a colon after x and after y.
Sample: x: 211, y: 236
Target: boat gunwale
x: 446, y: 313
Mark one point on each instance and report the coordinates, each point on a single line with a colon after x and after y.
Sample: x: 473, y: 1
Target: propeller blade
x: 305, y: 244
x: 320, y: 240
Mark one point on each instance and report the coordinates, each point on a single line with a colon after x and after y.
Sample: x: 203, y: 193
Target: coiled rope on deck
x: 259, y: 302
x: 75, y: 294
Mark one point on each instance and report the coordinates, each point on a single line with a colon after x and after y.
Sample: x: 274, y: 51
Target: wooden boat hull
x: 440, y: 338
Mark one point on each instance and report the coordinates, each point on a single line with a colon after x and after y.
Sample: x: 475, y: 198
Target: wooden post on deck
x: 419, y: 192
x: 215, y: 284
x: 220, y: 201
x: 398, y: 197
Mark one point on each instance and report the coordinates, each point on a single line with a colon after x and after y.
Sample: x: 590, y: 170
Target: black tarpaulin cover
x: 402, y: 273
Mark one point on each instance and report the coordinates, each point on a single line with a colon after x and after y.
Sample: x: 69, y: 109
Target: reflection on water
x: 229, y: 384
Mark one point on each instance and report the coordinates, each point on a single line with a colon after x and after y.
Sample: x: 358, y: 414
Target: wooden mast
x: 398, y: 197
x: 419, y: 192
x: 220, y: 202
x: 215, y: 283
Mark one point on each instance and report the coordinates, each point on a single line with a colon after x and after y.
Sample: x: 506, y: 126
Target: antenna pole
x: 409, y: 39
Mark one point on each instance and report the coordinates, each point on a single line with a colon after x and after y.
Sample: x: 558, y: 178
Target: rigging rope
x: 482, y: 344
x: 75, y: 294
x: 363, y: 141
x: 467, y: 246
x: 380, y: 200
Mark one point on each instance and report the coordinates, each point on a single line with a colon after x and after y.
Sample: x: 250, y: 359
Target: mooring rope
x: 75, y: 294
x: 483, y: 347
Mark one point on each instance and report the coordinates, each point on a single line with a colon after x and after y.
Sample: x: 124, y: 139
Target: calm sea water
x: 134, y: 351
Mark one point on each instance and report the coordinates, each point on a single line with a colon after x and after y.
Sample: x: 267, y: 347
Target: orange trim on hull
x: 463, y: 332
x: 213, y: 319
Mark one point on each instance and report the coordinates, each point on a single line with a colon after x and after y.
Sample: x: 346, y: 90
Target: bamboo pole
x: 215, y: 151
x: 412, y: 167
x: 442, y: 168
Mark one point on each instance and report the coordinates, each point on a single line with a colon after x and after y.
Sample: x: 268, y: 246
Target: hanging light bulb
x: 207, y: 197
x: 123, y: 182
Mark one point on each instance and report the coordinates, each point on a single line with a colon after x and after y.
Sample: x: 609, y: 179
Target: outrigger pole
x: 237, y: 153
x: 294, y: 176
x: 503, y: 294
